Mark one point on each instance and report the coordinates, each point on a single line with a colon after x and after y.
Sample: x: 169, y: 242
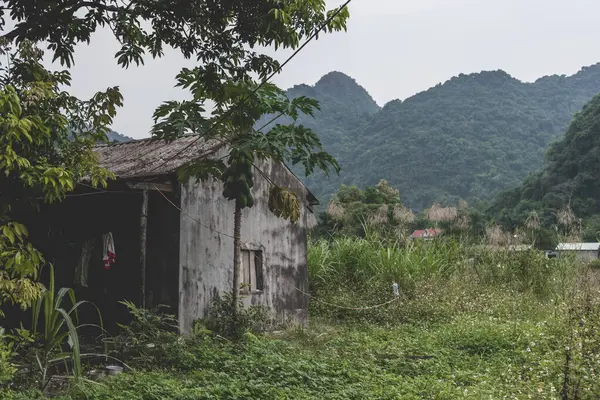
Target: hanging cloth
x: 108, y: 253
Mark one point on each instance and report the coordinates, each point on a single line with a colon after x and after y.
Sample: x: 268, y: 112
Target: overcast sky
x: 393, y: 48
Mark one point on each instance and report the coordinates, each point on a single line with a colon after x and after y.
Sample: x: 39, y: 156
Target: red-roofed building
x: 426, y: 234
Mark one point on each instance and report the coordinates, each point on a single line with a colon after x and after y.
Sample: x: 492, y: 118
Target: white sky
x: 394, y: 48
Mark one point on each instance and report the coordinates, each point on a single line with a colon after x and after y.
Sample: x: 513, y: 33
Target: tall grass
x: 360, y: 262
x: 350, y: 270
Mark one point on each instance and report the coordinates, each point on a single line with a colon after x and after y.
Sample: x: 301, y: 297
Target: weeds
x: 59, y: 329
x: 151, y: 340
x: 471, y: 322
x: 364, y: 269
x: 7, y: 354
x: 223, y: 321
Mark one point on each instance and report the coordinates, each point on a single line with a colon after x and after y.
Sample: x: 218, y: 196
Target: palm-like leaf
x: 56, y: 319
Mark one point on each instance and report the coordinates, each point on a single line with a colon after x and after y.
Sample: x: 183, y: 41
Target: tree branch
x: 67, y: 8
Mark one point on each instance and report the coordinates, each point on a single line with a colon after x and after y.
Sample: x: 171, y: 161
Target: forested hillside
x: 469, y: 138
x: 570, y: 177
x: 117, y: 137
x: 345, y: 108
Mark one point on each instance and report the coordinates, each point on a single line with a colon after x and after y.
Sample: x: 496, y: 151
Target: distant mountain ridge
x: 468, y: 138
x: 570, y: 177
x: 117, y: 137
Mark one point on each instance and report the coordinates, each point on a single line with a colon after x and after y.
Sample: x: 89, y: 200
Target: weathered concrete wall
x: 587, y: 256
x: 206, y: 257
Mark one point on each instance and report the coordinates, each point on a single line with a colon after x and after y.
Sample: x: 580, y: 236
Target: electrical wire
x: 189, y: 216
x: 264, y: 82
x: 279, y: 276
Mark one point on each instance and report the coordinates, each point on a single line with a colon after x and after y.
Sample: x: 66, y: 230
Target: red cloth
x: 108, y: 255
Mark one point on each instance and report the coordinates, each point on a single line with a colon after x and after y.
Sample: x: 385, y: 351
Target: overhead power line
x: 285, y: 281
x: 264, y: 82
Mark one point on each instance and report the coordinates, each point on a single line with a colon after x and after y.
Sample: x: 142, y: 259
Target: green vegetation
x: 471, y: 322
x: 567, y: 188
x: 353, y: 211
x: 47, y: 135
x: 467, y: 138
x: 49, y: 319
x: 38, y: 160
x: 344, y: 106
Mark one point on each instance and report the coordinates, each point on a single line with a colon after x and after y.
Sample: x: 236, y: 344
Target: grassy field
x: 475, y: 355
x: 470, y: 323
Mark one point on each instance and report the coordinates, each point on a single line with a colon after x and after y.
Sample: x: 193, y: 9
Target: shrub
x: 152, y: 340
x: 223, y: 321
x: 7, y: 354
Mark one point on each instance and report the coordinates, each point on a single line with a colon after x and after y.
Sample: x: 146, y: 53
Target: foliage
x: 498, y: 345
x: 348, y: 271
x: 222, y: 36
x: 343, y: 106
x: 239, y: 102
x: 579, y: 352
x: 59, y: 329
x: 591, y: 232
x: 247, y: 147
x: 20, y: 262
x: 460, y: 332
x: 46, y: 140
x: 467, y: 138
x: 353, y: 211
x: 566, y: 188
x: 223, y: 321
x: 150, y: 340
x: 7, y: 354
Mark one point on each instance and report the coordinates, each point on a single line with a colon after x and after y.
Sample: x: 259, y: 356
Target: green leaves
x: 238, y: 178
x: 46, y: 141
x: 239, y: 105
x: 198, y: 29
x: 568, y: 180
x: 175, y: 119
x: 59, y: 328
x: 338, y: 21
x: 20, y: 264
x: 202, y: 169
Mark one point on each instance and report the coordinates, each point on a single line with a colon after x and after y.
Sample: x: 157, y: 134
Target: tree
x: 38, y: 161
x: 283, y: 143
x: 222, y: 35
x: 352, y: 210
x: 566, y: 188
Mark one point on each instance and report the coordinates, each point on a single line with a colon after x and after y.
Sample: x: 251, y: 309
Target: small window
x: 252, y: 270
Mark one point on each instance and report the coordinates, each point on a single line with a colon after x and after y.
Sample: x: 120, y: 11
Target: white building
x: 584, y: 251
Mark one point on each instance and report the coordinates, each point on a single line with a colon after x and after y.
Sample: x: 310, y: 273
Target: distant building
x: 520, y: 247
x: 583, y: 251
x: 426, y: 234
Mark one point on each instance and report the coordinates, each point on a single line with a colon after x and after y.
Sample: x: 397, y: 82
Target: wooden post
x: 143, y: 237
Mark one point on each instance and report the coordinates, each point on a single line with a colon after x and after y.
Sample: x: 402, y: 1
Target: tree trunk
x: 237, y: 259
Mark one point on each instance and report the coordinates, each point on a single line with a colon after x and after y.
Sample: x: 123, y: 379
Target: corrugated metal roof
x: 578, y: 246
x: 153, y: 157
